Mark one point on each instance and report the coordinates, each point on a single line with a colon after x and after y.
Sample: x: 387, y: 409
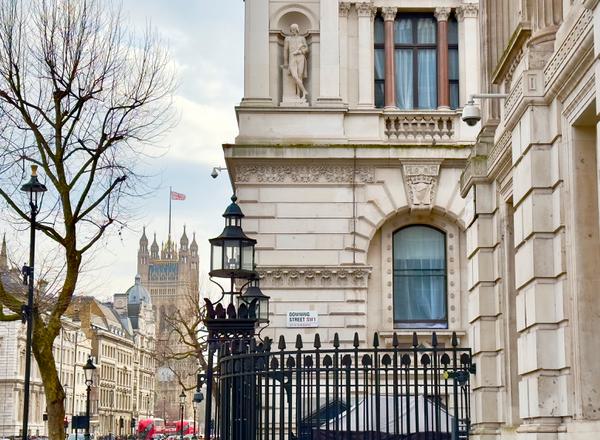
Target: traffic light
x: 66, y: 423
x: 133, y: 422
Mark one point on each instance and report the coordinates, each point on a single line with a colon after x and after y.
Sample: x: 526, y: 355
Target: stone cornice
x: 304, y: 174
x: 314, y: 276
x: 567, y: 47
x: 513, y: 52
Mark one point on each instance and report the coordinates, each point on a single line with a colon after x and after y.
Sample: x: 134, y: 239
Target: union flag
x: 177, y: 196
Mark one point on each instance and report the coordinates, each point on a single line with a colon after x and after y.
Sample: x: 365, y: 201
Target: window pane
x: 452, y: 31
x: 404, y: 78
x: 379, y: 94
x: 426, y: 31
x: 419, y: 276
x: 454, y: 98
x: 379, y: 64
x: 379, y: 30
x: 453, y: 64
x: 427, y: 90
x: 403, y: 31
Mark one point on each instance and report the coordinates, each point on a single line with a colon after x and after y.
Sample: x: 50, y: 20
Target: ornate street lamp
x: 88, y: 369
x: 198, y: 397
x: 36, y: 191
x: 254, y: 296
x: 232, y: 252
x: 182, y: 406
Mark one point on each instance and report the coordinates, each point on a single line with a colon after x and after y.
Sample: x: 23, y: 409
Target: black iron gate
x: 367, y: 393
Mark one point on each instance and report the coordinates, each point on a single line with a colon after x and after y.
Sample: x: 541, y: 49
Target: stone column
x: 329, y: 57
x: 441, y: 14
x: 484, y: 337
x: 365, y: 54
x: 389, y: 15
x: 344, y: 10
x: 540, y: 250
x: 468, y: 50
x: 256, y: 54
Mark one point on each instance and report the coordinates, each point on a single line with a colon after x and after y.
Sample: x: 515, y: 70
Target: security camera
x: 214, y: 173
x: 471, y: 114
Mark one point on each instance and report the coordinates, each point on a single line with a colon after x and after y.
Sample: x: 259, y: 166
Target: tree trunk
x: 55, y: 395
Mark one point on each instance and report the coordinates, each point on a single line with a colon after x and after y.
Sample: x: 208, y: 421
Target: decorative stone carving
x: 566, y: 48
x: 421, y: 182
x: 328, y: 276
x: 468, y: 10
x: 304, y: 174
x: 344, y: 8
x: 389, y: 13
x: 442, y: 13
x: 295, y: 68
x: 365, y: 9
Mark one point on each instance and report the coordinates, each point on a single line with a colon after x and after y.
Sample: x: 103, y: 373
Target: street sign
x: 80, y: 422
x: 302, y: 319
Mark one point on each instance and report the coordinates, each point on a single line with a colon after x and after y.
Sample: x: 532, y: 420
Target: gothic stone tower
x: 171, y: 275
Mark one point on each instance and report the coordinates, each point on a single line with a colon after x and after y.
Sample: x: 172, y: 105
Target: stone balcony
x: 420, y: 126
x: 342, y: 125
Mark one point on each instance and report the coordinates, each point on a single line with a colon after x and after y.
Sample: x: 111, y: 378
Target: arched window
x: 420, y: 278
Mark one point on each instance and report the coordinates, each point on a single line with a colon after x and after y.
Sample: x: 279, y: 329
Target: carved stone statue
x: 295, y: 51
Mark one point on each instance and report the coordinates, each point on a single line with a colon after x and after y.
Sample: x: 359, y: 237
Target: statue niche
x: 295, y: 68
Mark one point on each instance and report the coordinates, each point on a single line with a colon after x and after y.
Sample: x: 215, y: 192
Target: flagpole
x: 170, y: 197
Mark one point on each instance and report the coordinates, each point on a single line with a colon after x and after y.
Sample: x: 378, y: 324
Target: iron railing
x: 366, y: 393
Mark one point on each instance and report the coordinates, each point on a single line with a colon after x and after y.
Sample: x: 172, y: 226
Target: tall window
x: 379, y: 61
x: 453, y: 61
x: 415, y: 61
x: 419, y: 278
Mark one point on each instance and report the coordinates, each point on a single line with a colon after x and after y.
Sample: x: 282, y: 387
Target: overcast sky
x: 205, y: 38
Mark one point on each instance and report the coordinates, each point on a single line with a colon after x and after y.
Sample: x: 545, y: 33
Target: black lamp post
x: 34, y: 188
x: 182, y: 406
x: 88, y: 369
x: 198, y: 397
x: 232, y: 257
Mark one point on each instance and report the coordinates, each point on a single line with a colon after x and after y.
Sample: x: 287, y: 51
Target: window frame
x: 453, y: 46
x: 442, y: 324
x: 378, y: 46
x: 415, y: 46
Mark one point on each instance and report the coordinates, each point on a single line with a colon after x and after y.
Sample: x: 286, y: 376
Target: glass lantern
x: 253, y: 293
x: 89, y: 369
x: 232, y: 252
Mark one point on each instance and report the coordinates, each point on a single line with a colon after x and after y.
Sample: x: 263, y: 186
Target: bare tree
x: 82, y: 98
x: 187, y: 341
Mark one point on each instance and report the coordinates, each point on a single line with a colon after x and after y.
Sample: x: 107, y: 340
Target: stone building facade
x: 71, y: 351
x: 171, y: 275
x: 123, y: 340
x: 378, y: 209
x: 531, y: 185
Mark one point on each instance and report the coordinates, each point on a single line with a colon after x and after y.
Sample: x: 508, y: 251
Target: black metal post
x: 181, y: 428
x: 87, y: 413
x: 194, y: 419
x: 28, y: 312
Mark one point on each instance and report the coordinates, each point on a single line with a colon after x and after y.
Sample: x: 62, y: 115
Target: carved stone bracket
x: 365, y: 9
x: 314, y: 276
x: 420, y: 179
x: 442, y: 13
x: 344, y: 8
x: 467, y: 10
x: 304, y: 174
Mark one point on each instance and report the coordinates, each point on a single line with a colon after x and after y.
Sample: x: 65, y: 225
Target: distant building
x: 123, y: 345
x: 71, y: 351
x: 171, y: 275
